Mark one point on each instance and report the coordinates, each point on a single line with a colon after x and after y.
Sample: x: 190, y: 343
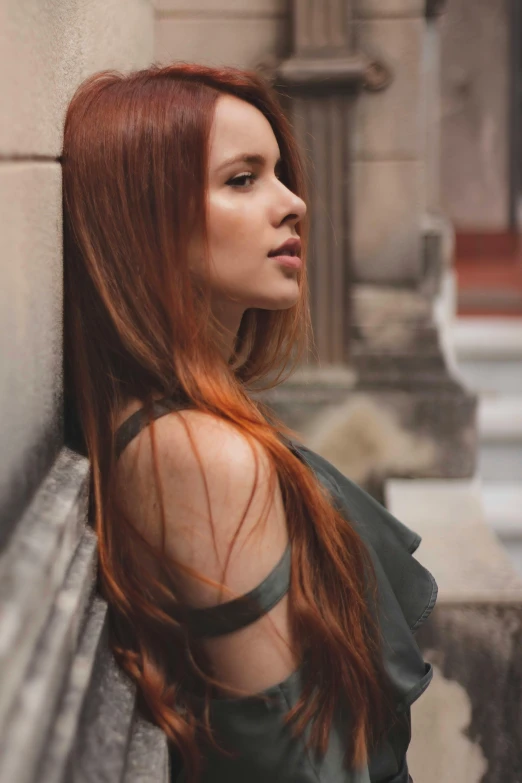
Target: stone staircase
x: 488, y: 353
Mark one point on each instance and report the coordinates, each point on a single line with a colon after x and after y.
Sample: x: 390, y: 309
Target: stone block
x: 242, y: 42
x: 30, y: 331
x: 389, y: 8
x: 220, y: 7
x: 55, y: 46
x: 33, y: 567
x: 388, y: 202
x: 389, y: 124
x: 391, y: 320
x: 33, y: 709
x: 373, y: 434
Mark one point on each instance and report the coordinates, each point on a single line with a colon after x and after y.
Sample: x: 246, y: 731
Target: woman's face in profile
x: 250, y: 213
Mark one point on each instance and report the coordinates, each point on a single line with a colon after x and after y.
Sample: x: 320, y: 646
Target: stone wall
x: 242, y: 33
x: 66, y: 712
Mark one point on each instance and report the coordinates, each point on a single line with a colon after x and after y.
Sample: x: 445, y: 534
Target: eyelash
x: 247, y: 175
x: 234, y: 180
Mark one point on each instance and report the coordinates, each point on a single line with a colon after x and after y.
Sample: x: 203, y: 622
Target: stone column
x: 322, y: 76
x: 382, y: 400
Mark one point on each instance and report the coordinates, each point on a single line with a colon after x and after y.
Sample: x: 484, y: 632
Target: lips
x: 292, y: 247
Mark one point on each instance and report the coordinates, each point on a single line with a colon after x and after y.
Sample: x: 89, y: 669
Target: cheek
x: 233, y: 226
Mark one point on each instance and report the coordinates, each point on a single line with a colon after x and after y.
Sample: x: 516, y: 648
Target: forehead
x: 239, y: 127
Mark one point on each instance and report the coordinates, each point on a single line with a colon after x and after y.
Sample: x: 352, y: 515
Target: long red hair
x: 134, y: 178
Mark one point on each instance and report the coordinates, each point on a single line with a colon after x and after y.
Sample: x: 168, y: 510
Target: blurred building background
x: 409, y: 116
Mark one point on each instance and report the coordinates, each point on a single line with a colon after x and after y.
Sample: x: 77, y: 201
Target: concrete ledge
x: 58, y: 756
x: 148, y: 758
x: 34, y: 564
x: 33, y: 711
x: 104, y: 734
x: 468, y: 562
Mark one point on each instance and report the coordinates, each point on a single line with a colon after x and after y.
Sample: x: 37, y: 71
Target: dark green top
x: 407, y: 593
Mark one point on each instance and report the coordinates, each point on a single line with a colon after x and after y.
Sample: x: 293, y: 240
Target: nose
x: 291, y: 206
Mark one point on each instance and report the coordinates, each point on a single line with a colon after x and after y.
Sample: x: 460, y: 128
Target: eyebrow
x: 252, y: 158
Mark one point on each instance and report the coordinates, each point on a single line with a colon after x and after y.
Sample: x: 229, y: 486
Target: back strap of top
x: 137, y: 421
x: 231, y: 615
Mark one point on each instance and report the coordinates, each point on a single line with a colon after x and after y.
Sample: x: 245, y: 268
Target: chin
x: 278, y: 300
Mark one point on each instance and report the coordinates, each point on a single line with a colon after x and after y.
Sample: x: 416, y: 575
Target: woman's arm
x: 254, y: 657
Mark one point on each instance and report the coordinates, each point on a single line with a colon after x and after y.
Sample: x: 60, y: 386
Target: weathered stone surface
x: 387, y: 201
x: 478, y: 648
x: 33, y: 567
x: 105, y: 730
x: 468, y: 725
x: 389, y: 124
x: 55, y: 45
x: 372, y: 434
x: 30, y: 328
x: 240, y: 41
x: 391, y: 319
x: 308, y: 392
x: 32, y: 712
x: 148, y: 758
x: 58, y: 763
x: 441, y: 750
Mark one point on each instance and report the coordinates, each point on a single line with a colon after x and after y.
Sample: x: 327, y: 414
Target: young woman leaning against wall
x: 263, y: 603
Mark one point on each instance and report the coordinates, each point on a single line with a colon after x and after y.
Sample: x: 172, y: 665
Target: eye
x: 239, y: 181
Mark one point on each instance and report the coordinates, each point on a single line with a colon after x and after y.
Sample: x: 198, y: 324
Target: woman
x: 263, y: 604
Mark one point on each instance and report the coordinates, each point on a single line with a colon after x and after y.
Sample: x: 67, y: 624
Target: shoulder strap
x: 240, y: 612
x: 137, y: 421
x: 231, y: 615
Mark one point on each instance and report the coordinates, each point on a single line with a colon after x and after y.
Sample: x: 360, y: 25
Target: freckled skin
x: 250, y: 212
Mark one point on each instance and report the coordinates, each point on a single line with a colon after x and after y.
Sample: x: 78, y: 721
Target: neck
x: 228, y: 319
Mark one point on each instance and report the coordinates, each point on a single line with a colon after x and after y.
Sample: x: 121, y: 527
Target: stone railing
x: 67, y: 712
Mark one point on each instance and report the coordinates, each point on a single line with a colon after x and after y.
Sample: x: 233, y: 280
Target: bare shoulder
x: 211, y: 475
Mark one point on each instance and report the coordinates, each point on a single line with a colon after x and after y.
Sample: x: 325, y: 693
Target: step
x: 499, y: 420
x: 489, y: 353
x: 492, y: 338
x: 502, y: 503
